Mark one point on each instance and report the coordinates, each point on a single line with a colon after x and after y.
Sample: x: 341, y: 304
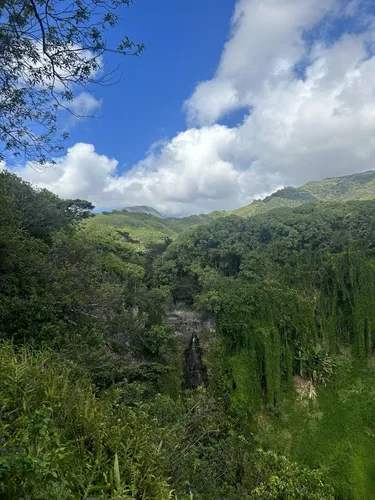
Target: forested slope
x: 293, y: 295
x: 146, y: 228
x: 91, y: 401
x: 350, y: 187
x: 91, y: 404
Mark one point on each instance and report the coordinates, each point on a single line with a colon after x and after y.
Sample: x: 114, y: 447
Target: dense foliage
x: 90, y: 402
x: 79, y: 290
x: 248, y: 272
x: 291, y: 290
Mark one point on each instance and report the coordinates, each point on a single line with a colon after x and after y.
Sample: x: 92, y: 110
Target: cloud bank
x: 308, y: 100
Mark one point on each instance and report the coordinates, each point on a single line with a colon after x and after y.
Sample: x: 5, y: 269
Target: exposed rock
x: 191, y: 329
x: 186, y: 322
x: 195, y: 372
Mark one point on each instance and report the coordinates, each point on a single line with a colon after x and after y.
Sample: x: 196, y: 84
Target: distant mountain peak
x: 144, y: 209
x: 146, y: 225
x: 358, y: 186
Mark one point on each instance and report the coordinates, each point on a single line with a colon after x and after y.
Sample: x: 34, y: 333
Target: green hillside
x: 235, y: 362
x: 292, y: 293
x: 146, y: 228
x: 350, y: 187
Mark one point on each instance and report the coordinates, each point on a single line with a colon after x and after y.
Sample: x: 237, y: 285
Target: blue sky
x: 183, y: 41
x: 230, y: 101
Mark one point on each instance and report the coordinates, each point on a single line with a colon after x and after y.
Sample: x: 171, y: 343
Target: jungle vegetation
x: 91, y: 400
x: 90, y: 372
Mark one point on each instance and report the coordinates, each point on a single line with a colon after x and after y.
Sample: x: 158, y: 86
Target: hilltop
x: 145, y: 210
x: 350, y: 187
x: 146, y: 225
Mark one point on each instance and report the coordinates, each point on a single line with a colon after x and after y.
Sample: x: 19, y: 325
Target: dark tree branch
x: 48, y: 52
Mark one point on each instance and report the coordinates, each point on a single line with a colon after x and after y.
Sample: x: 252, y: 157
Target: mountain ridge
x: 144, y: 209
x: 148, y: 226
x: 359, y: 186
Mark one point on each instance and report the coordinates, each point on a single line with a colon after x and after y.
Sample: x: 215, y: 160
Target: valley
x: 203, y: 357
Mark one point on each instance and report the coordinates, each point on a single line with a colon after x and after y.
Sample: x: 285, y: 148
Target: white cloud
x: 84, y: 105
x: 82, y: 173
x: 265, y: 44
x: 192, y: 173
x: 296, y: 127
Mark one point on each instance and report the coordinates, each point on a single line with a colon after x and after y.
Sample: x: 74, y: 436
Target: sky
x: 230, y: 101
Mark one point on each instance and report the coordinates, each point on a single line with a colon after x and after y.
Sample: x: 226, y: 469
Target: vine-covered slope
x: 293, y: 295
x: 91, y: 400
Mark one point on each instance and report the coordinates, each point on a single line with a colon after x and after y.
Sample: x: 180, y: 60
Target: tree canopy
x: 91, y: 402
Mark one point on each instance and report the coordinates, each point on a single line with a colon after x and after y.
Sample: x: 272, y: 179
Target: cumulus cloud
x: 82, y: 173
x: 309, y: 112
x: 266, y: 42
x: 192, y: 173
